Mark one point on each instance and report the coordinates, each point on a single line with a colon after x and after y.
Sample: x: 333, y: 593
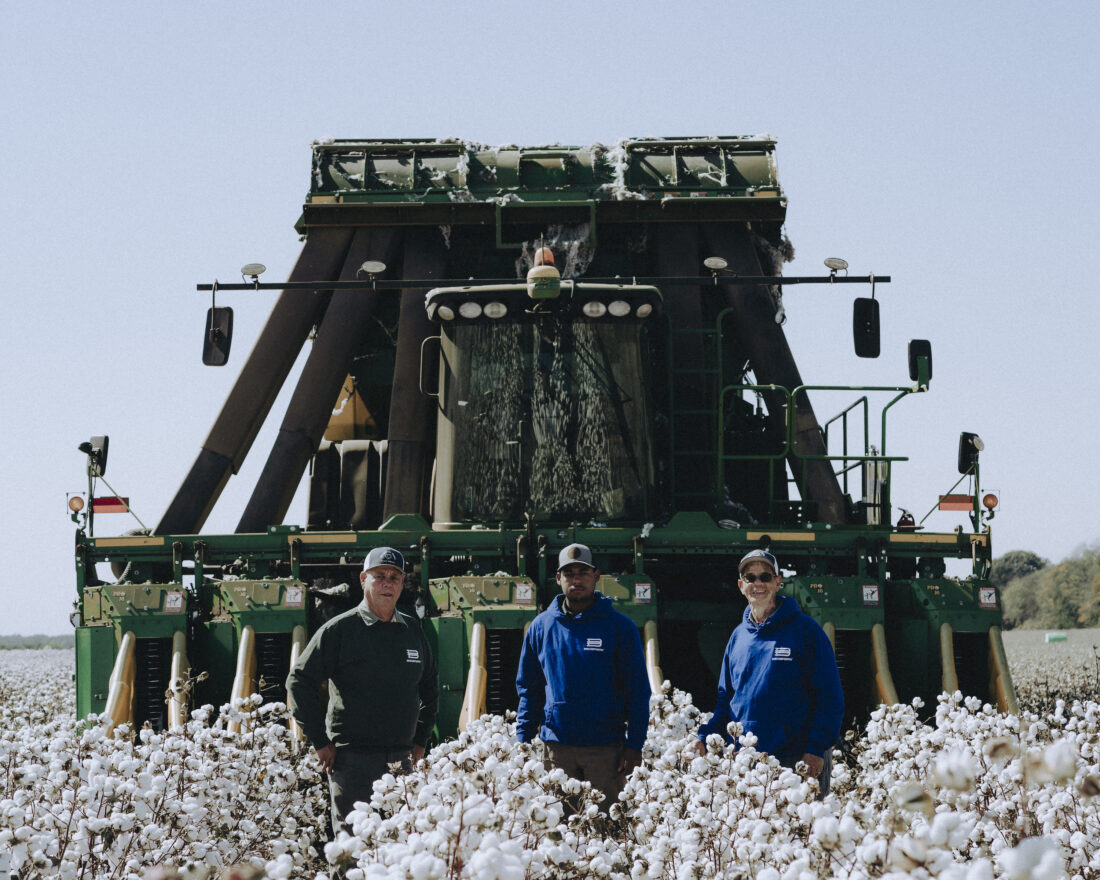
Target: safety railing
x: 788, y: 447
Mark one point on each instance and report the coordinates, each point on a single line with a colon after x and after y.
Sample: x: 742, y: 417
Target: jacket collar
x: 786, y: 608
x: 370, y: 618
x: 600, y: 607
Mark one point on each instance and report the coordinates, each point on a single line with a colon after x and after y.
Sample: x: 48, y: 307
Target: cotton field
x: 972, y: 795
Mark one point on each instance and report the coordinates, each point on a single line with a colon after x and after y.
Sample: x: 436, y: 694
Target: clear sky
x: 149, y: 147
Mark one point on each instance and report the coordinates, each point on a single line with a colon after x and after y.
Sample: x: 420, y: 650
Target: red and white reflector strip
x: 956, y: 502
x: 110, y: 504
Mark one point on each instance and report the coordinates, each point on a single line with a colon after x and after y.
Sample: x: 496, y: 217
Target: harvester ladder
x: 695, y: 372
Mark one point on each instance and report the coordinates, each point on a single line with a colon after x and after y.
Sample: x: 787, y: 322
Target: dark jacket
x: 383, y: 685
x: 582, y: 678
x: 780, y: 680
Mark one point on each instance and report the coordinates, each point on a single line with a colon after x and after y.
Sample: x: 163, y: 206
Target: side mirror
x: 96, y: 450
x: 865, y: 327
x: 920, y: 361
x: 218, y: 336
x: 430, y: 350
x: 969, y: 447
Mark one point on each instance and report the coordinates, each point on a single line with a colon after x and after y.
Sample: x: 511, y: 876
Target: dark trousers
x: 596, y: 764
x: 353, y: 778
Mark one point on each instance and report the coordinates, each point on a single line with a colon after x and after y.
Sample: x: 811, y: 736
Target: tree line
x: 1038, y: 595
x: 37, y: 641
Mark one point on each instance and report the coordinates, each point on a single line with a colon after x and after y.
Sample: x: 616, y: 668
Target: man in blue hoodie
x: 779, y: 677
x: 582, y: 681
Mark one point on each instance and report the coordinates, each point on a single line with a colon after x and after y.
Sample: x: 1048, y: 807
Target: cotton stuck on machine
x: 514, y: 349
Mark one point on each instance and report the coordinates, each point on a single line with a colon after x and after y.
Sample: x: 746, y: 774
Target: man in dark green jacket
x: 383, y: 687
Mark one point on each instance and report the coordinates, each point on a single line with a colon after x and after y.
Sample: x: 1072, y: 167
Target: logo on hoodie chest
x: 781, y: 652
x: 593, y: 644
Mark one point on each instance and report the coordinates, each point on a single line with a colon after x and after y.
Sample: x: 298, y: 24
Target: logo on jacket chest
x: 593, y: 644
x: 781, y: 652
x: 412, y: 655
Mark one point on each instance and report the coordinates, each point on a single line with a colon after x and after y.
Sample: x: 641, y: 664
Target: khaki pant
x: 596, y: 764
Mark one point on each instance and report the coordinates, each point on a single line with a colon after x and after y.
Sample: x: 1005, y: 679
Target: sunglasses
x: 765, y: 577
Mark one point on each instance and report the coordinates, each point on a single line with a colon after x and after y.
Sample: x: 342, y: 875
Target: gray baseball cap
x: 758, y: 556
x: 575, y: 553
x: 384, y: 556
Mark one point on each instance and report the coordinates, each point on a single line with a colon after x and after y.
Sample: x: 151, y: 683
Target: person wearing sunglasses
x: 779, y: 677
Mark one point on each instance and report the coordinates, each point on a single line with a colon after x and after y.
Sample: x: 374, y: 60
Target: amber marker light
x: 76, y: 504
x: 990, y: 501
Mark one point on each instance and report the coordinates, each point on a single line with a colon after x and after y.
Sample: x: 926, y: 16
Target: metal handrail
x: 788, y: 447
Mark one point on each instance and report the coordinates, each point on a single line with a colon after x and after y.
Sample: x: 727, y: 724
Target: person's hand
x: 417, y: 753
x: 815, y: 762
x: 700, y: 748
x: 628, y: 760
x: 327, y: 756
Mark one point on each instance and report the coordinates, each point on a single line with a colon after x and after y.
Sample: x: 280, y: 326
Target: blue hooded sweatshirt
x: 582, y: 678
x: 780, y: 680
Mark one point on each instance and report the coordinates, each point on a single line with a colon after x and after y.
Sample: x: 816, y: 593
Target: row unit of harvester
x: 514, y: 349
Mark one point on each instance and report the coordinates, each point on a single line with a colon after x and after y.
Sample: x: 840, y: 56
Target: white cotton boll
x: 907, y: 853
x: 911, y: 796
x: 281, y: 867
x: 955, y: 770
x: 796, y: 869
x: 425, y: 866
x: 849, y: 829
x: 826, y: 832
x: 1034, y: 858
x: 979, y: 869
x: 1060, y: 760
x: 122, y: 822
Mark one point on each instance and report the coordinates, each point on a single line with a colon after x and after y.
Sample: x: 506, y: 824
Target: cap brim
x: 575, y: 562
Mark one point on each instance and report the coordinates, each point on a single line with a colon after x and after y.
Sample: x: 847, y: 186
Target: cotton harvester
x: 518, y: 348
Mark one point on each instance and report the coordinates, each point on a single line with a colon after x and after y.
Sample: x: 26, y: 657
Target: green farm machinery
x: 514, y: 349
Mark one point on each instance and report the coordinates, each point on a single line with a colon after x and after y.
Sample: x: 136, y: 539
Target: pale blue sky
x: 148, y: 147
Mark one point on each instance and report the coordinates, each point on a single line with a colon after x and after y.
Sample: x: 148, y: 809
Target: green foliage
x: 1039, y: 595
x: 1015, y: 564
x: 1020, y: 600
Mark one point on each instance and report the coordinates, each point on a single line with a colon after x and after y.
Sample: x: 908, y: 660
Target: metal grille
x: 154, y: 666
x: 853, y: 660
x: 272, y: 665
x: 972, y: 664
x: 502, y: 661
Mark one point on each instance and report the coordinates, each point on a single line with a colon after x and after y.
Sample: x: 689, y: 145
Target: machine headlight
x: 620, y: 308
x: 446, y: 313
x: 594, y: 309
x: 644, y: 310
x: 470, y: 310
x: 495, y: 310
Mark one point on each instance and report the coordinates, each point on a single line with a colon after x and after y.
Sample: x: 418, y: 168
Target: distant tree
x: 36, y: 641
x: 1064, y: 593
x: 1020, y: 600
x: 1089, y: 564
x: 1015, y: 564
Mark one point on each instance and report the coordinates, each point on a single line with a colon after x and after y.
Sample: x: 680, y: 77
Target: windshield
x: 548, y: 419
